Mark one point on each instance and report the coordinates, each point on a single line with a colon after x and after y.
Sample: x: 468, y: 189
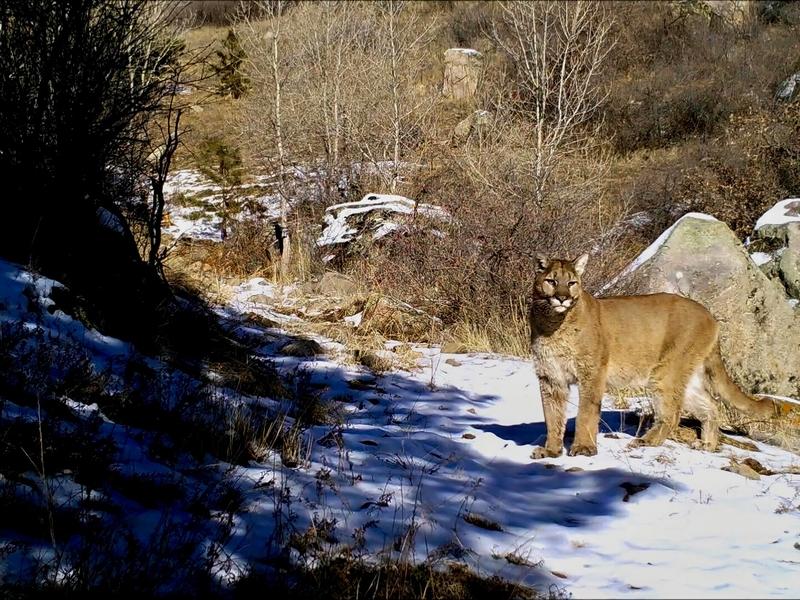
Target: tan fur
x: 665, y: 342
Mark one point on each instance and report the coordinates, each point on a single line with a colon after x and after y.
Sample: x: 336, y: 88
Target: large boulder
x: 776, y: 240
x: 701, y: 258
x: 462, y: 71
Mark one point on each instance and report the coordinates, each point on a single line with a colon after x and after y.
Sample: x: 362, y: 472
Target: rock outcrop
x: 729, y: 12
x: 701, y: 258
x: 788, y: 88
x: 776, y: 239
x: 462, y: 71
x: 472, y: 126
x: 353, y: 225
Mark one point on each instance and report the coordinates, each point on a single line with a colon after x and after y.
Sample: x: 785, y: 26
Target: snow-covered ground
x: 200, y: 217
x: 435, y: 463
x: 423, y: 450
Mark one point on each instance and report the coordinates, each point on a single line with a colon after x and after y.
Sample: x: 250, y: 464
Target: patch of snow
x: 793, y: 302
x: 781, y: 213
x: 417, y: 451
x: 187, y: 222
x: 651, y: 250
x: 761, y: 258
x: 457, y: 439
x: 354, y: 320
x: 188, y: 181
x: 242, y: 300
x: 467, y: 51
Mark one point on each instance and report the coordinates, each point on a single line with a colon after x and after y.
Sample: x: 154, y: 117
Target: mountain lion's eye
x: 551, y: 282
x: 571, y: 283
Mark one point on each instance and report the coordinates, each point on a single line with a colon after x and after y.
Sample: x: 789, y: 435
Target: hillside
x: 428, y: 464
x: 266, y: 279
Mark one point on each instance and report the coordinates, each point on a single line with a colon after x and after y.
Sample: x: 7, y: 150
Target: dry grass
x: 783, y: 430
x: 348, y: 577
x: 503, y: 334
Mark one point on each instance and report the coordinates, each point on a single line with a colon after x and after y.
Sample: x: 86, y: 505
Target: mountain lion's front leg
x: 591, y: 387
x: 554, y: 402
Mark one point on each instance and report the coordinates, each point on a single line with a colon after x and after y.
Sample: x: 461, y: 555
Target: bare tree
x: 395, y: 60
x: 557, y: 49
x: 268, y: 63
x: 161, y: 158
x: 328, y: 45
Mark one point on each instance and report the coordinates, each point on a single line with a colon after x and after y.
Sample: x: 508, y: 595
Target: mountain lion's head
x: 557, y: 286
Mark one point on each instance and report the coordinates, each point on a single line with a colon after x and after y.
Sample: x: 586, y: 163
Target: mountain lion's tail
x: 728, y: 390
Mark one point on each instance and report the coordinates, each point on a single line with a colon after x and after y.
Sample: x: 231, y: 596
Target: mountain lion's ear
x: 542, y: 262
x: 580, y: 263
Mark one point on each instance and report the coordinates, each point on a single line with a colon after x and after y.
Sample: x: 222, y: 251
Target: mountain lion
x: 665, y: 342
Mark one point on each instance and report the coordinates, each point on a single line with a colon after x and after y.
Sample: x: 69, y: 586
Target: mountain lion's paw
x: 582, y: 450
x: 638, y: 443
x: 541, y: 452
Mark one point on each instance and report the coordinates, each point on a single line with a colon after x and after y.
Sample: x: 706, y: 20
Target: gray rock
x: 701, y: 258
x: 779, y: 228
x: 788, y: 88
x: 474, y: 124
x: 729, y: 12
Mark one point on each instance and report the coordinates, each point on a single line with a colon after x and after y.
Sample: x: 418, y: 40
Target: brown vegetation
x: 672, y: 111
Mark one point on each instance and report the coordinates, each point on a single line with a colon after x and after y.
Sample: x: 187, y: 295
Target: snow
x: 651, y: 250
x: 696, y: 531
x: 421, y: 449
x: 785, y: 211
x: 109, y: 220
x: 761, y: 258
x: 201, y: 219
x: 467, y: 51
x: 354, y: 320
x: 338, y: 231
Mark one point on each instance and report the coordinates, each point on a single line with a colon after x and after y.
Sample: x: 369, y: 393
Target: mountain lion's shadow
x: 611, y: 421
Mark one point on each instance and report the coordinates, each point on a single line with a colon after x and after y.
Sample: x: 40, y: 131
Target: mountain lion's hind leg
x: 670, y: 388
x: 554, y: 403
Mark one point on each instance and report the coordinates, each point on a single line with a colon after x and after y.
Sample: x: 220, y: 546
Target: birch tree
x: 270, y: 66
x: 397, y: 109
x: 557, y: 50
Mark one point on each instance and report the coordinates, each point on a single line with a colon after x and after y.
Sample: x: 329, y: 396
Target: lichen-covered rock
x: 701, y: 258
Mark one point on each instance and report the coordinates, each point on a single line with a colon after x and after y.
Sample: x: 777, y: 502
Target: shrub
x: 229, y: 67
